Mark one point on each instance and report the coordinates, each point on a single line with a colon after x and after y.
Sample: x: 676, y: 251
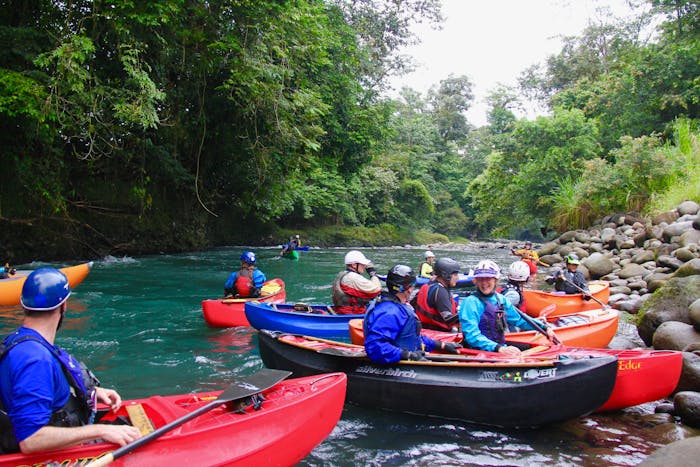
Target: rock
x: 551, y: 259
x: 624, y: 242
x: 670, y: 303
x: 548, y: 249
x: 688, y: 207
x: 598, y: 265
x: 664, y: 407
x: 623, y: 290
x: 690, y: 237
x: 690, y: 268
x: 683, y: 453
x: 676, y: 229
x: 607, y: 236
x: 669, y: 262
x: 694, y: 314
x: 685, y: 254
x: 632, y: 270
x: 674, y: 335
x: 687, y: 406
x: 566, y: 237
x: 643, y: 256
x: 690, y: 374
x: 668, y: 217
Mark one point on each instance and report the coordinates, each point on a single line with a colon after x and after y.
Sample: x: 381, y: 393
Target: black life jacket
x: 78, y: 410
x: 493, y: 323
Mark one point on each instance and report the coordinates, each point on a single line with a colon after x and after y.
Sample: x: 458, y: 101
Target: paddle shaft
x: 604, y: 305
x: 537, y: 326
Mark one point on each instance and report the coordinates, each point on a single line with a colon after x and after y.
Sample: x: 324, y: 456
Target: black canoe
x: 530, y: 393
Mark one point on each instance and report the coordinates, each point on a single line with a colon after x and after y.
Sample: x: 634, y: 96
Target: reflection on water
x: 138, y: 323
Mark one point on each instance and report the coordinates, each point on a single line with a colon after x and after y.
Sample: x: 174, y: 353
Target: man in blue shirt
x: 48, y: 398
x: 392, y: 329
x: 247, y: 281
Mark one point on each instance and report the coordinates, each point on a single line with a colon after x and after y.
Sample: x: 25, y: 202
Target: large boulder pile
x: 653, y: 266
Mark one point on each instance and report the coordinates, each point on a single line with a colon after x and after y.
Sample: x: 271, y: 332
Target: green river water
x: 137, y: 323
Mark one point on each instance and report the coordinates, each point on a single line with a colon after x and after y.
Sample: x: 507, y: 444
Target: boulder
x: 690, y: 237
x: 690, y: 373
x: 667, y: 217
x: 669, y: 262
x: 676, y: 229
x: 685, y: 254
x: 687, y: 406
x: 669, y: 303
x: 643, y: 256
x: 674, y: 335
x: 566, y: 237
x: 632, y: 270
x: 679, y: 453
x: 691, y: 268
x: 598, y: 265
x: 694, y: 314
x: 548, y: 248
x: 688, y: 207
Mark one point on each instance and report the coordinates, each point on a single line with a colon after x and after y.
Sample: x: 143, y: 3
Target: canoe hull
x: 11, y: 288
x: 295, y: 417
x: 479, y: 393
x: 317, y: 321
x: 229, y: 312
x: 536, y: 300
x: 591, y: 328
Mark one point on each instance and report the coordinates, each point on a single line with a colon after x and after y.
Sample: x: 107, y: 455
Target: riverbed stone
x: 676, y: 229
x: 690, y: 268
x: 687, y: 406
x: 643, y: 256
x: 688, y: 207
x: 694, y: 314
x: 598, y: 265
x: 685, y: 452
x: 690, y: 237
x: 690, y: 373
x: 632, y: 270
x: 668, y: 217
x: 668, y: 261
x: 669, y: 303
x: 674, y: 335
x: 685, y: 254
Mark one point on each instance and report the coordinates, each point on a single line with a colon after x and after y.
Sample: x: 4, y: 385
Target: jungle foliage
x: 167, y: 125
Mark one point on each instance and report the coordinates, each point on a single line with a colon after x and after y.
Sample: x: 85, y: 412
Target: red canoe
x: 11, y: 288
x: 591, y: 328
x: 295, y: 416
x: 229, y: 312
x: 536, y: 300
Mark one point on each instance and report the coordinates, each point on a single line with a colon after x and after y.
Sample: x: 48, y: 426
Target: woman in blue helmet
x: 48, y: 397
x: 392, y: 328
x: 247, y: 281
x: 486, y: 314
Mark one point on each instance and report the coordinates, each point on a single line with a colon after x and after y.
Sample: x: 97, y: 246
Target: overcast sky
x: 493, y: 41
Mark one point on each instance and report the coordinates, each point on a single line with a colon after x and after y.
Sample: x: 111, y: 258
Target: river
x: 137, y: 323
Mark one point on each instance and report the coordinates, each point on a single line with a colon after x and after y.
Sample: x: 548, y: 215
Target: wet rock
x: 685, y: 452
x: 665, y: 407
x: 687, y: 406
x: 669, y: 303
x: 690, y: 374
x: 674, y: 335
x: 694, y: 314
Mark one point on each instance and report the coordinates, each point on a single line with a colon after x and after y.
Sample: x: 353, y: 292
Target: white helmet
x: 428, y: 254
x: 487, y: 268
x: 519, y: 271
x: 355, y: 256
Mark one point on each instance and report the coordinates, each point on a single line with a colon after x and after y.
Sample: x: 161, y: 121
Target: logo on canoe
x: 518, y: 376
x: 623, y: 365
x: 373, y: 370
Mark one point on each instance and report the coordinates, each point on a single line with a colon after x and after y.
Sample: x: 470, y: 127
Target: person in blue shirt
x: 486, y: 314
x: 247, y: 281
x: 48, y: 397
x: 392, y: 329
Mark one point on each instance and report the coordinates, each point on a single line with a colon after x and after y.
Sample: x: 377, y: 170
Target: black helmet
x: 400, y: 278
x: 445, y: 267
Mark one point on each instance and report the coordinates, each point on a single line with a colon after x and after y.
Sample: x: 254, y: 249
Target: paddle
x: 537, y: 326
x: 245, y: 387
x: 604, y: 305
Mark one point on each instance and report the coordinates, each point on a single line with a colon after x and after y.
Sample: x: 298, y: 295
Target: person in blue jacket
x: 486, y: 314
x: 247, y: 281
x: 392, y: 329
x: 48, y: 398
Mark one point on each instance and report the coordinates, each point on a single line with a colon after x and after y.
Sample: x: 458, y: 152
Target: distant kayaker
x: 486, y: 314
x: 392, y: 329
x: 518, y: 274
x: 247, y: 281
x: 570, y: 280
x: 351, y: 290
x: 434, y: 304
x: 426, y: 267
x: 49, y: 398
x: 291, y: 245
x: 6, y: 271
x: 530, y: 257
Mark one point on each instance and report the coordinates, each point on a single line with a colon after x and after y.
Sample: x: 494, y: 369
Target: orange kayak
x: 536, y: 300
x: 589, y: 328
x: 229, y: 312
x: 11, y: 288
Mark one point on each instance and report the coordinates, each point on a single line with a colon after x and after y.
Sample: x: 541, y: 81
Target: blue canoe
x: 299, y: 318
x: 302, y: 248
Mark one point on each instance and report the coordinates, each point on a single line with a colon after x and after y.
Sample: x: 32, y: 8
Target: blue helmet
x: 44, y: 289
x: 248, y: 257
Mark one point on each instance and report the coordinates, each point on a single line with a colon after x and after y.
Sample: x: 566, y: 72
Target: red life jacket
x: 429, y: 316
x: 244, y: 283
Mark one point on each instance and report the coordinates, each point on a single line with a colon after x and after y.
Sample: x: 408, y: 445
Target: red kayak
x: 536, y: 300
x: 229, y: 312
x: 591, y: 328
x: 294, y: 417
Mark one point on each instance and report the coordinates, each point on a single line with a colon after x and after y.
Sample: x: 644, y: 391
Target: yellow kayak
x: 11, y: 288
